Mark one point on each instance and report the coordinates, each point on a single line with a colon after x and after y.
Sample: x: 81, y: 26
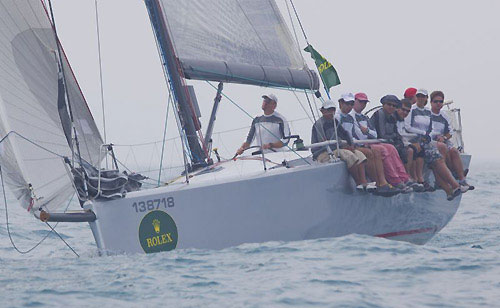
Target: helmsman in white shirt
x: 270, y: 130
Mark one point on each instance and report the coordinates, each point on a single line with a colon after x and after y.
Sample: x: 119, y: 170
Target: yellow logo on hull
x: 159, y: 240
x: 157, y: 232
x: 156, y: 225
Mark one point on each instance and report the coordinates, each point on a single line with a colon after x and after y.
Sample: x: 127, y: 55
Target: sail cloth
x: 239, y: 41
x: 32, y: 105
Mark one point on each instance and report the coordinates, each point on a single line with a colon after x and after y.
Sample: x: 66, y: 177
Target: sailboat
x: 51, y: 148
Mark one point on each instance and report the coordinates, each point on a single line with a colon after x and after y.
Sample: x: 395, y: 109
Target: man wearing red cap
x: 374, y: 166
x: 393, y: 167
x: 411, y: 95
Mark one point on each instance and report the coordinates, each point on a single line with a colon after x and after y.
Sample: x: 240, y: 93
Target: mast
x: 190, y: 123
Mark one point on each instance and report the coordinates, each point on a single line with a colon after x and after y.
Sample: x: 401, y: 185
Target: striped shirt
x: 362, y: 120
x: 400, y: 124
x: 324, y: 130
x: 268, y: 128
x: 440, y: 125
x: 347, y: 122
x: 418, y: 121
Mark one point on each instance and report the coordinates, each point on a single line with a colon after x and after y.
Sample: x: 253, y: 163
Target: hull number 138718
x: 153, y: 204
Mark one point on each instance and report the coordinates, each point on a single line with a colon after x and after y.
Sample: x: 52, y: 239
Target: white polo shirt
x: 268, y: 128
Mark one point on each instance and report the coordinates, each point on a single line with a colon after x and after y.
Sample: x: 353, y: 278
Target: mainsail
x: 240, y: 41
x: 32, y: 106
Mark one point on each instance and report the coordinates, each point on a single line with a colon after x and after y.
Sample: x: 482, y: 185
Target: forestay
x: 240, y: 41
x: 29, y: 93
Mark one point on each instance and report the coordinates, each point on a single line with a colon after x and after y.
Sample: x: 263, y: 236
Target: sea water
x: 460, y: 267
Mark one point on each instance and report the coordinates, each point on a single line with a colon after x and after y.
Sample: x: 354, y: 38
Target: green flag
x: 326, y: 70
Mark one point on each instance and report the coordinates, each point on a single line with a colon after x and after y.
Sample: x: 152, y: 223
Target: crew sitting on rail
x: 392, y: 165
x: 441, y: 133
x: 385, y: 124
x: 418, y: 122
x: 431, y: 155
x: 268, y: 130
x: 403, y: 109
x: 324, y: 130
x: 374, y: 165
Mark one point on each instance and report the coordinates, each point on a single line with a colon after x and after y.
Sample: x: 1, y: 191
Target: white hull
x: 284, y: 204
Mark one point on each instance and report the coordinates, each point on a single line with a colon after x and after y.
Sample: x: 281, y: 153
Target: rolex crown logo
x: 156, y: 225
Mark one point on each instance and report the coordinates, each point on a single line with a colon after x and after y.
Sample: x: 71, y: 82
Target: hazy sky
x: 377, y: 47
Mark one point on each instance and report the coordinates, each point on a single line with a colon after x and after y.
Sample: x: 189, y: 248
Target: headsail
x: 31, y: 106
x: 241, y: 41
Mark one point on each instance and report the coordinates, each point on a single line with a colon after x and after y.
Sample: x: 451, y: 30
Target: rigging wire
x: 256, y: 32
x: 270, y: 54
x: 186, y: 91
x: 300, y: 52
x: 316, y: 105
x: 300, y: 23
x: 100, y: 75
x: 28, y: 140
x: 68, y: 105
x: 157, y: 145
x: 326, y: 90
x: 182, y: 134
x: 164, y: 139
x: 215, y: 133
x: 271, y: 57
x: 310, y: 106
x: 294, y: 32
x: 244, y: 111
x: 52, y: 229
x: 57, y: 233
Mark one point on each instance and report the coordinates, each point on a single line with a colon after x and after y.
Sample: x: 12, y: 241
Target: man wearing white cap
x: 374, y: 164
x: 418, y: 122
x: 419, y: 119
x: 269, y: 130
x: 324, y: 130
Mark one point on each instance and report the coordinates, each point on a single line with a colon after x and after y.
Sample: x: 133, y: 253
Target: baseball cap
x: 361, y: 96
x: 271, y: 97
x: 328, y: 104
x: 347, y: 97
x: 410, y: 92
x: 423, y: 92
x: 390, y: 98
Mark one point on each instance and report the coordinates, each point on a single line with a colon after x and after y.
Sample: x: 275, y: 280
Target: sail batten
x: 32, y: 103
x: 239, y: 41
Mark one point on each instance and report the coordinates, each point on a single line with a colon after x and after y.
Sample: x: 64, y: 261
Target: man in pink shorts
x: 395, y: 172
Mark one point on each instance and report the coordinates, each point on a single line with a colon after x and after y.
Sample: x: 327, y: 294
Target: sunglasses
x: 405, y: 110
x: 350, y: 103
x: 438, y: 101
x: 363, y: 101
x: 422, y: 96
